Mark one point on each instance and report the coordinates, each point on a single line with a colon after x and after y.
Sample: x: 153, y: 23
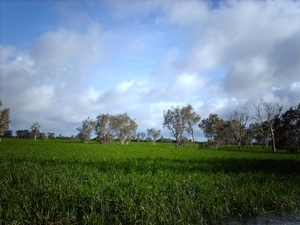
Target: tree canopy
x: 4, y: 120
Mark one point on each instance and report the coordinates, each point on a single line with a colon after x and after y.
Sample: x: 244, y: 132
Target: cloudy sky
x: 64, y: 61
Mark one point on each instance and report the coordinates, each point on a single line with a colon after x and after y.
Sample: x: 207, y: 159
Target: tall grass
x: 66, y: 182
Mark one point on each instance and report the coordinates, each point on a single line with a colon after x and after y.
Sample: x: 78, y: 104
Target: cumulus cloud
x: 248, y: 77
x: 37, y: 98
x: 183, y: 87
x: 143, y: 57
x: 64, y: 46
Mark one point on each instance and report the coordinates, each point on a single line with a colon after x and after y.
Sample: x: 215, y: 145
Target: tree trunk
x: 193, y: 140
x: 239, y: 144
x: 176, y: 143
x: 273, y: 140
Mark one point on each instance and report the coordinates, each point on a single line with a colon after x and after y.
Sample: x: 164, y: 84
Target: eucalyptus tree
x: 184, y: 140
x: 45, y: 135
x: 85, y: 131
x: 268, y: 112
x: 51, y: 135
x: 143, y: 135
x: 35, y: 130
x: 248, y: 137
x: 288, y: 130
x: 226, y: 133
x: 223, y: 134
x: 153, y: 134
x: 260, y: 133
x: 103, y: 129
x: 238, y: 120
x: 4, y: 120
x: 176, y: 120
x: 138, y: 137
x: 7, y: 133
x: 211, y: 127
x: 192, y: 119
x: 131, y: 130
x: 23, y: 134
x: 123, y: 127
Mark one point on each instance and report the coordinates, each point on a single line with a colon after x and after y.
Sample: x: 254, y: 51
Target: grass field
x: 67, y: 182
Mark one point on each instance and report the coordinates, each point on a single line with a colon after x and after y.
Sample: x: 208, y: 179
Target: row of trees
x: 107, y: 128
x: 110, y: 127
x: 264, y: 130
x: 270, y: 126
x: 35, y: 133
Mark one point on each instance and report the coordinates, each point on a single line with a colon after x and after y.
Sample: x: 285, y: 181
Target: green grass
x: 67, y: 182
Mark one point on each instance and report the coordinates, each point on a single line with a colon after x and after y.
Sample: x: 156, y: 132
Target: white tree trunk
x: 273, y: 140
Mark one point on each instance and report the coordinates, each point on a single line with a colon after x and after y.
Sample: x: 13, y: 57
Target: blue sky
x: 64, y: 61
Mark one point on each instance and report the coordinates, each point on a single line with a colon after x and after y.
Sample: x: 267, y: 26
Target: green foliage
x: 183, y: 140
x: 65, y: 182
x: 4, y: 120
x: 86, y: 129
x: 288, y: 129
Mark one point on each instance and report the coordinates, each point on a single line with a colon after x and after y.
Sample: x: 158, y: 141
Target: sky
x: 64, y: 61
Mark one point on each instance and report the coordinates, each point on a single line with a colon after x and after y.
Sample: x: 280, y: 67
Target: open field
x: 67, y: 182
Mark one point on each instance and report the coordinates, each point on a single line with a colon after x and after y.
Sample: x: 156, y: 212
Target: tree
x: 238, y: 120
x: 268, y: 112
x: 288, y: 130
x: 192, y: 119
x: 103, y: 129
x: 86, y: 130
x: 51, y: 135
x: 44, y: 135
x: 138, y: 137
x: 223, y: 134
x: 123, y: 127
x: 226, y: 133
x: 248, y: 137
x: 176, y: 119
x: 23, y: 134
x: 154, y: 134
x: 131, y: 129
x: 212, y: 127
x: 184, y: 140
x: 35, y: 130
x: 260, y: 133
x: 7, y: 133
x: 143, y: 135
x: 4, y: 120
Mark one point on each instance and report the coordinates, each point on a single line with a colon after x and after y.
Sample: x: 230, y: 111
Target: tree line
x: 271, y: 126
x: 110, y: 127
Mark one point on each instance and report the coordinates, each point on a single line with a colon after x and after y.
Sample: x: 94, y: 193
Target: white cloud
x: 248, y: 78
x: 144, y: 57
x: 37, y: 98
x: 63, y: 46
x: 187, y: 13
x: 183, y: 86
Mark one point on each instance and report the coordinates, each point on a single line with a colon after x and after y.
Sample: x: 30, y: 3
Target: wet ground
x: 270, y: 219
